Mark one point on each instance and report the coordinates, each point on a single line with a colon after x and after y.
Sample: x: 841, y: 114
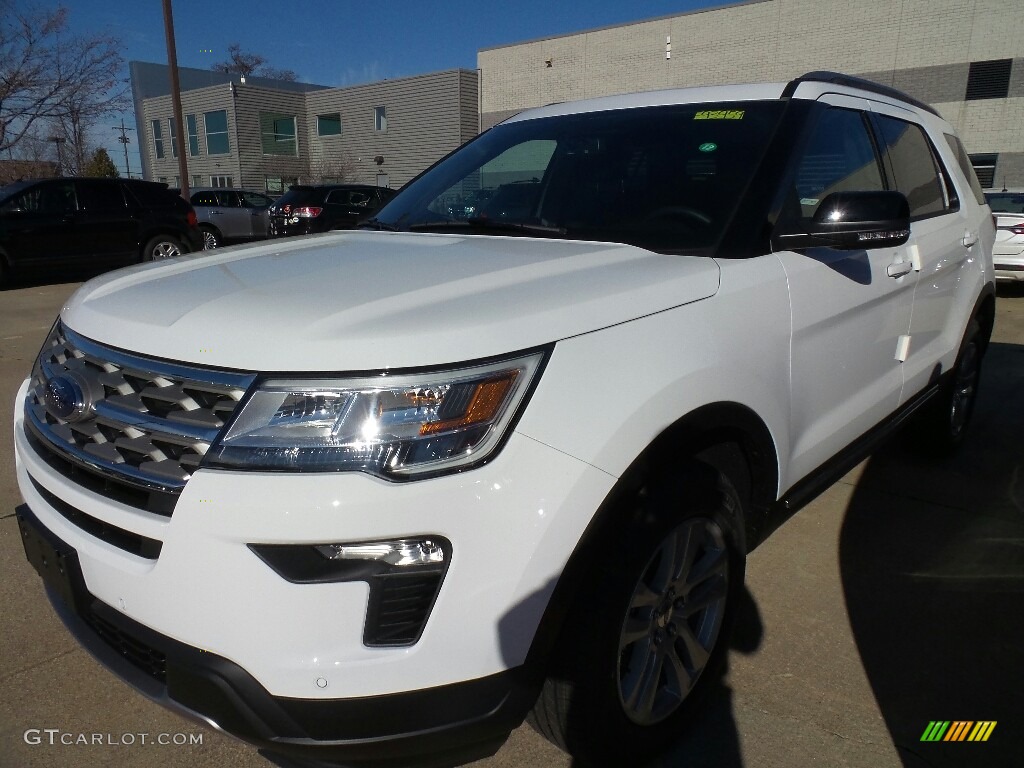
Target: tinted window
x: 254, y: 200
x: 839, y: 157
x: 357, y: 197
x: 100, y: 196
x: 300, y: 196
x: 964, y: 161
x: 665, y: 178
x: 1006, y: 202
x: 155, y: 195
x: 227, y: 199
x: 204, y: 198
x: 913, y: 166
x: 49, y: 199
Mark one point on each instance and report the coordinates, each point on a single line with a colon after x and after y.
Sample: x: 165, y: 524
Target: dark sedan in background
x: 305, y: 209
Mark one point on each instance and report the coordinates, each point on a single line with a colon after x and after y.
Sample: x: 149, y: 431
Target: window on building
x: 162, y: 179
x: 221, y: 181
x: 328, y: 125
x: 380, y: 119
x: 985, y: 167
x: 197, y: 180
x: 278, y: 185
x: 174, y: 136
x: 192, y: 126
x: 158, y: 139
x: 278, y: 134
x: 217, y: 132
x: 917, y: 173
x: 989, y: 79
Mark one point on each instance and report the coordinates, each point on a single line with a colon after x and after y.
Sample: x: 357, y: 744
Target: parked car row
x: 65, y: 222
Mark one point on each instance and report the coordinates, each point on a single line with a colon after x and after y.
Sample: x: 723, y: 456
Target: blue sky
x: 339, y: 42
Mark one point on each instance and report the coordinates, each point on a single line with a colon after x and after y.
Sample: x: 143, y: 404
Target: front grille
x: 142, y: 423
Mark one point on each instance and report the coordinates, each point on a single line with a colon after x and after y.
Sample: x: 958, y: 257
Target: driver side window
x: 839, y: 157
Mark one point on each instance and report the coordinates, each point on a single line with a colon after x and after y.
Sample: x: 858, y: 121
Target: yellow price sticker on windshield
x: 719, y: 114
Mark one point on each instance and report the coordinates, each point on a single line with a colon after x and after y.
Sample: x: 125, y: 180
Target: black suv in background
x: 66, y: 222
x: 304, y: 209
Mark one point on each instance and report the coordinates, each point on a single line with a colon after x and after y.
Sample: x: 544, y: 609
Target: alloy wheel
x: 674, y: 620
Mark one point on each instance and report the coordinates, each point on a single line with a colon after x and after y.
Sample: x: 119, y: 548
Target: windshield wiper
x: 480, y: 224
x: 377, y: 224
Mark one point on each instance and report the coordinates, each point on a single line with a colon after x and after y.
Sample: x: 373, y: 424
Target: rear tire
x: 649, y: 636
x: 162, y: 247
x: 945, y: 422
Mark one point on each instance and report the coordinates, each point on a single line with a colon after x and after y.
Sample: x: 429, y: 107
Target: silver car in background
x: 231, y: 215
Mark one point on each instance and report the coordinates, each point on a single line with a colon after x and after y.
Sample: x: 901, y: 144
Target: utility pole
x: 172, y: 63
x: 125, y: 141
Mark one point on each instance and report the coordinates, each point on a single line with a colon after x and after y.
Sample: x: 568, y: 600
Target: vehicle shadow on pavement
x: 932, y: 566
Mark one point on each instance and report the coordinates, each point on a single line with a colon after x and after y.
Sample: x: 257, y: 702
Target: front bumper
x: 284, y: 665
x: 448, y: 725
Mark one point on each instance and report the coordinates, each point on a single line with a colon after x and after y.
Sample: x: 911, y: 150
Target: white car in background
x: 1008, y: 252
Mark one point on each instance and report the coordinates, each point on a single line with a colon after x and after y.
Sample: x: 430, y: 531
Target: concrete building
x: 966, y: 57
x: 267, y: 134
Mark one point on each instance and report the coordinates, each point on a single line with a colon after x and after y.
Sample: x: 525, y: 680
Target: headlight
x: 396, y: 426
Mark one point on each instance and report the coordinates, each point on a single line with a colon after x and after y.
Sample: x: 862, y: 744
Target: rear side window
x: 227, y: 199
x: 914, y: 166
x: 155, y: 196
x: 98, y: 196
x: 300, y: 196
x: 204, y: 199
x: 964, y: 161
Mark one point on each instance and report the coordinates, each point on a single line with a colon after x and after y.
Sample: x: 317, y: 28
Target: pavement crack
x: 23, y: 670
x: 823, y: 729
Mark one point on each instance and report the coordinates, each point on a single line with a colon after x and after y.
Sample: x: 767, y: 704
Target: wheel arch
x: 724, y: 436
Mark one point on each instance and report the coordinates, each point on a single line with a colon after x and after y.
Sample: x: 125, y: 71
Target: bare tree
x: 241, y: 63
x: 49, y: 76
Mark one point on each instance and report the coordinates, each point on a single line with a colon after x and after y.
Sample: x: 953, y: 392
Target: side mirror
x: 850, y: 221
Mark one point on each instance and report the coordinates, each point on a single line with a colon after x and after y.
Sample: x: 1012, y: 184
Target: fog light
x: 399, y: 553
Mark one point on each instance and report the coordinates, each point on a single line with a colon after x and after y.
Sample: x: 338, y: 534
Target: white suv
x: 372, y: 497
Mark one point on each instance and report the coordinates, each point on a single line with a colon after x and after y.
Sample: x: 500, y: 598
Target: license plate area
x: 55, y: 561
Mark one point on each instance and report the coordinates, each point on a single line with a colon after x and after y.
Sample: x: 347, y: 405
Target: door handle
x: 970, y: 238
x: 899, y: 269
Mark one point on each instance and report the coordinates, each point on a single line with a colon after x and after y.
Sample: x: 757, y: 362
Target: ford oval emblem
x: 65, y: 399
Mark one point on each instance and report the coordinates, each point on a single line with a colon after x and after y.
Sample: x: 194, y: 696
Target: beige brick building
x: 966, y: 57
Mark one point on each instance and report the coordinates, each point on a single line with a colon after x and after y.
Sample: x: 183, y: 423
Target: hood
x: 377, y: 300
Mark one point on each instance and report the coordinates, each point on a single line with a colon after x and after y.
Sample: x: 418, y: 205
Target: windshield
x: 664, y: 178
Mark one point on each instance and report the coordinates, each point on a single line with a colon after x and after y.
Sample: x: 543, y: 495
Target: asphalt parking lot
x: 893, y: 600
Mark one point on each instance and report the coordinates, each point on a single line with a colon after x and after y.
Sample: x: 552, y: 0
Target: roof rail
x: 837, y: 78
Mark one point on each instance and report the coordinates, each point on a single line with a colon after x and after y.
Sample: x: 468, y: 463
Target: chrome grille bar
x: 148, y: 423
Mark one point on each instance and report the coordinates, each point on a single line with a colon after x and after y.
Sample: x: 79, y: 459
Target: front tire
x: 161, y: 247
x: 648, y: 638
